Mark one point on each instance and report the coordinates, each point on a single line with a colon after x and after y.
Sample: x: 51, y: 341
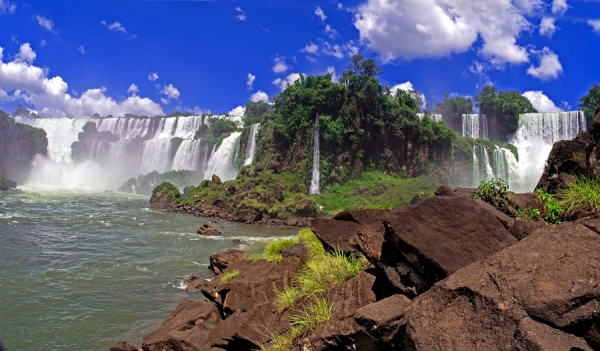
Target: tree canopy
x: 452, y: 109
x: 589, y: 102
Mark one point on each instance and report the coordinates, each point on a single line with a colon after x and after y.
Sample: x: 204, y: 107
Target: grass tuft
x: 316, y: 312
x: 272, y: 252
x: 227, y: 276
x: 286, y: 297
x: 582, y: 195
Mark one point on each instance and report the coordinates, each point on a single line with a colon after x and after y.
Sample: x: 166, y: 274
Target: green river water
x: 83, y: 270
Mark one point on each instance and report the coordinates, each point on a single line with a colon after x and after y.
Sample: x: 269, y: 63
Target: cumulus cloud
x: 337, y: 50
x: 319, y: 13
x: 541, y: 102
x: 289, y: 80
x: 115, y: 27
x: 237, y: 112
x: 170, y: 91
x: 442, y: 27
x: 250, y: 81
x: 547, y: 26
x: 529, y: 6
x: 595, y: 24
x: 153, y: 76
x: 332, y: 33
x: 407, y: 86
x: 259, y: 96
x: 559, y: 7
x: 81, y: 49
x: 279, y: 65
x: 241, y: 15
x: 311, y: 48
x: 7, y: 7
x: 45, y: 22
x: 549, y: 68
x: 133, y: 89
x: 31, y: 84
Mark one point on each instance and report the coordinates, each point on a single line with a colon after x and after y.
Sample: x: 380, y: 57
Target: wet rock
x: 7, y: 184
x: 207, y: 230
x: 187, y: 328
x: 334, y: 234
x: 220, y: 261
x: 383, y: 319
x: 236, y: 241
x: 123, y: 346
x: 550, y: 277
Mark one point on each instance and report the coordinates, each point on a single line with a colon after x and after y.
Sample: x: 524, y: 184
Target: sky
x: 75, y: 58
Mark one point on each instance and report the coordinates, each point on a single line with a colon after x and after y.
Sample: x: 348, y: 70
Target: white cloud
x: 7, y: 7
x: 259, y: 96
x: 81, y: 49
x: 238, y: 111
x: 436, y: 28
x: 49, y: 95
x: 338, y: 51
x: 549, y: 68
x: 595, y: 24
x: 559, y: 7
x: 332, y: 33
x: 115, y: 27
x: 529, y: 6
x: 45, y: 22
x: 250, y: 81
x: 289, y: 80
x: 153, y: 76
x: 279, y: 65
x: 170, y: 91
x: 42, y: 43
x: 4, y: 96
x: 331, y: 70
x: 407, y: 86
x: 133, y: 89
x: 311, y: 48
x: 319, y: 12
x: 311, y: 59
x: 547, y: 26
x: 478, y: 69
x: 241, y: 16
x: 541, y: 102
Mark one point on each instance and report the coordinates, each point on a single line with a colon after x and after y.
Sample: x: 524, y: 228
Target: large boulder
x: 593, y: 147
x: 220, y: 262
x: 7, y: 184
x: 334, y: 234
x: 208, y: 230
x: 383, y: 319
x: 538, y: 294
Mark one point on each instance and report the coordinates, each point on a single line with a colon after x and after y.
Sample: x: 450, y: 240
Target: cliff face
x: 19, y: 143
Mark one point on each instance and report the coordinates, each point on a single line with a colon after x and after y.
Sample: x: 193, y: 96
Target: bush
x: 582, y: 195
x: 170, y: 188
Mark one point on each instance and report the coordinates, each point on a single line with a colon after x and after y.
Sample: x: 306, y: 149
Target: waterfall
x: 251, y: 148
x: 222, y: 161
x: 475, y: 126
x: 315, y: 182
x: 497, y: 166
x: 536, y: 134
x: 144, y: 145
x: 436, y: 117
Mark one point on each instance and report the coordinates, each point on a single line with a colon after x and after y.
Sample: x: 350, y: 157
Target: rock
x: 278, y: 193
x: 438, y: 236
x: 207, y: 230
x: 220, y: 262
x: 523, y: 228
x: 383, y: 319
x: 563, y: 160
x: 7, y: 184
x: 298, y: 251
x: 532, y: 335
x: 467, y: 192
x: 443, y: 190
x: 550, y: 277
x: 236, y: 241
x: 187, y: 328
x: 522, y: 201
x: 334, y: 234
x: 373, y: 218
x: 216, y: 179
x: 164, y: 197
x: 506, y: 221
x: 123, y: 346
x: 418, y: 198
x: 192, y: 278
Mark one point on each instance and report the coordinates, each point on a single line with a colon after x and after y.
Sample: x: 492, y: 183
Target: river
x: 82, y: 270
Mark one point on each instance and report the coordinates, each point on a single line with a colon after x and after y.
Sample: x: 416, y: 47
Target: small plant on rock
x: 227, y: 276
x: 582, y: 195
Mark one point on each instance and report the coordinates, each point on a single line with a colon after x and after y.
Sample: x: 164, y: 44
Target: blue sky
x: 76, y: 57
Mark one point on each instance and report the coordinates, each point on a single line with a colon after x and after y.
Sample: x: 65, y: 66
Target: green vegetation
x: 256, y: 111
x: 590, y: 102
x: 272, y: 252
x: 144, y: 183
x: 502, y: 109
x: 582, y: 195
x: 226, y: 276
x: 452, y: 109
x: 373, y: 190
x: 316, y: 312
x: 491, y: 189
x: 169, y: 188
x: 551, y: 211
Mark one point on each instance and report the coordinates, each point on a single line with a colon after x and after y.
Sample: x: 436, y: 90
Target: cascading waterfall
x: 534, y: 138
x: 475, y: 126
x: 315, y: 182
x: 187, y: 157
x: 251, y: 148
x: 497, y: 166
x: 436, y: 117
x: 222, y: 161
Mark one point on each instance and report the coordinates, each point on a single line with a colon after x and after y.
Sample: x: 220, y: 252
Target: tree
x: 502, y: 109
x: 452, y: 110
x: 589, y: 103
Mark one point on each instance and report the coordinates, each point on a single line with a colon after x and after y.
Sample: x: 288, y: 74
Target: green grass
x: 373, y: 190
x: 227, y: 276
x: 272, y: 252
x: 316, y: 312
x: 582, y: 195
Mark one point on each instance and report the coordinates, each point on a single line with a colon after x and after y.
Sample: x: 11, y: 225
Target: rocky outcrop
x: 384, y: 319
x: 19, y: 143
x: 207, y: 230
x: 7, y: 184
x: 144, y: 184
x: 219, y: 262
x: 92, y: 144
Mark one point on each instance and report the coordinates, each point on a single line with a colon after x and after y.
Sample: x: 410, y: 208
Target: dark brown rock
x: 523, y: 228
x: 207, y: 230
x: 467, y: 192
x: 278, y: 193
x: 522, y: 201
x: 236, y: 241
x: 123, y: 346
x: 443, y: 190
x: 187, y: 328
x: 298, y: 251
x: 7, y: 184
x: 506, y: 221
x: 534, y: 336
x: 562, y: 160
x: 334, y: 234
x: 440, y: 235
x: 220, y: 262
x: 383, y: 319
x: 550, y: 277
x: 163, y: 200
x: 373, y: 218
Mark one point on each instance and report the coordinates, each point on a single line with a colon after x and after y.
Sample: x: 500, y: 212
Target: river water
x: 83, y: 270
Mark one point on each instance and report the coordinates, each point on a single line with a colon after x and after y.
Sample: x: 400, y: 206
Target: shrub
x: 170, y: 188
x: 491, y: 189
x: 582, y: 195
x: 552, y: 212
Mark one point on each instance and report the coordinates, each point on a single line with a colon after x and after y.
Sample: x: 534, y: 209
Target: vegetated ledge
x: 253, y: 198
